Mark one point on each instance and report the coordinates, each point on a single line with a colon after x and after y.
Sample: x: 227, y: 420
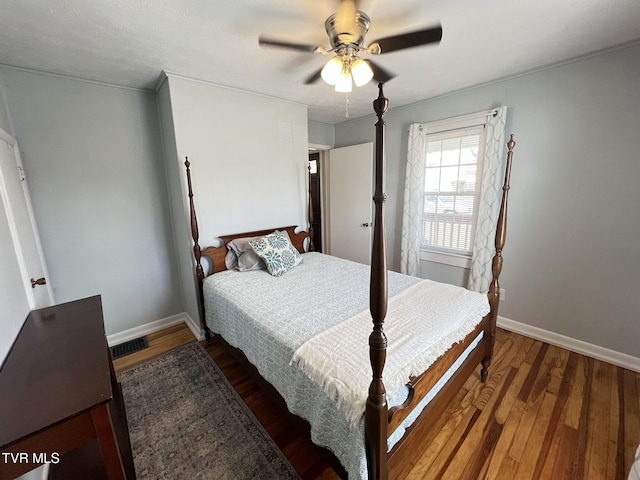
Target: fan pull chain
x: 346, y: 105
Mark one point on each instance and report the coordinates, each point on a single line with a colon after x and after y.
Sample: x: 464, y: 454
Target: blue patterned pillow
x: 277, y: 252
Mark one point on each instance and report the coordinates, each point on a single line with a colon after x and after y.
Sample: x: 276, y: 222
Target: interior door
x: 349, y: 202
x: 20, y: 251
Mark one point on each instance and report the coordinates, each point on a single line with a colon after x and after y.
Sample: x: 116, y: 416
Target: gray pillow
x: 241, y: 256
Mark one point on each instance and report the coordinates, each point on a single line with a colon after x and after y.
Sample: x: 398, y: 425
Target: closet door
x: 350, y: 202
x: 20, y: 251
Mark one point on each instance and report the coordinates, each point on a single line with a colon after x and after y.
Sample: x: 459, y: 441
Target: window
x: 452, y: 193
x: 452, y: 178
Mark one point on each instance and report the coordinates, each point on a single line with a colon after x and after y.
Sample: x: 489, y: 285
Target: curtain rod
x: 470, y: 116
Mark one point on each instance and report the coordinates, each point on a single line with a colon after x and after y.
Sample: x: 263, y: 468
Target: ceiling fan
x: 346, y: 30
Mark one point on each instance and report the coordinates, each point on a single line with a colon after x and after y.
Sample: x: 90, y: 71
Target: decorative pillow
x: 278, y: 253
x: 242, y: 257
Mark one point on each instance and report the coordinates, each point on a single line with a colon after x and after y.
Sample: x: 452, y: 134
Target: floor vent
x: 129, y: 347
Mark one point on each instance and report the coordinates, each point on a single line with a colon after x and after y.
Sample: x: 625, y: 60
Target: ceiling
x: 130, y: 42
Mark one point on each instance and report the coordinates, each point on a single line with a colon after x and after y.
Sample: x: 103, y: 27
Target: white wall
x: 321, y: 134
x: 93, y: 157
x: 248, y: 156
x: 5, y: 122
x: 570, y: 262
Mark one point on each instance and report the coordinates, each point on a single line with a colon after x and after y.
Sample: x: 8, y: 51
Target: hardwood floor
x: 544, y: 413
x: 159, y: 343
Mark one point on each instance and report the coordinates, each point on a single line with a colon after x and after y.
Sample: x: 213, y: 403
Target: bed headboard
x: 217, y: 254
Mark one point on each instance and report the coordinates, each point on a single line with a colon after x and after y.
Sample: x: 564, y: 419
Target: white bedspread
x: 422, y: 323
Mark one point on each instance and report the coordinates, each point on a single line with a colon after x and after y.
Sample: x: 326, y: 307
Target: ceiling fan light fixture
x: 361, y: 72
x: 344, y: 84
x: 332, y: 71
x: 346, y: 30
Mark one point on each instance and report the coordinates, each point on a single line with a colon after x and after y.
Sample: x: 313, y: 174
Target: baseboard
x: 147, y: 328
x: 595, y: 351
x: 194, y: 326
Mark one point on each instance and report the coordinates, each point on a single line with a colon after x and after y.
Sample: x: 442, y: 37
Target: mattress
x: 269, y: 318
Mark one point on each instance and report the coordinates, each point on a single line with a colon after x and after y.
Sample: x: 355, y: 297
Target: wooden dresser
x: 60, y: 402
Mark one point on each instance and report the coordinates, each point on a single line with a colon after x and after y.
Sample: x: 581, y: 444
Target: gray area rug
x: 187, y: 422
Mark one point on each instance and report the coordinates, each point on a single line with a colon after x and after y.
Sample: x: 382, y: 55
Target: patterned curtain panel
x: 413, y: 201
x: 489, y: 208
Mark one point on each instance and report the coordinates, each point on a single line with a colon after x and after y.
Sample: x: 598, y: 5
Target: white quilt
x: 269, y: 318
x: 422, y: 323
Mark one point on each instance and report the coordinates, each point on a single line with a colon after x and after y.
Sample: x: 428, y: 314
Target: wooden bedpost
x: 496, y: 265
x: 197, y: 253
x: 376, y: 417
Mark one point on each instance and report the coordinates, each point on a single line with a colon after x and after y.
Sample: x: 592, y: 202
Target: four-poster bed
x: 276, y: 331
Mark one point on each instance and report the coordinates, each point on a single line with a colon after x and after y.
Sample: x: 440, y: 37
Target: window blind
x: 453, y: 169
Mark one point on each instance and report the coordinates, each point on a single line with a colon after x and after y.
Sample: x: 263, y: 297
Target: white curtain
x: 413, y: 201
x: 489, y: 208
x: 490, y: 196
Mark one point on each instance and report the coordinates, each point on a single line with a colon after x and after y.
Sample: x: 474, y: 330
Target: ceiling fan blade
x: 406, y: 40
x: 379, y: 73
x: 300, y: 47
x: 314, y: 77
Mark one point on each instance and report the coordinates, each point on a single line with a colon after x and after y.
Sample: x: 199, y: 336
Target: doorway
x: 316, y: 201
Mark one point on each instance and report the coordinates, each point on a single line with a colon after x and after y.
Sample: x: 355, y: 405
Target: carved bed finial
x: 380, y: 104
